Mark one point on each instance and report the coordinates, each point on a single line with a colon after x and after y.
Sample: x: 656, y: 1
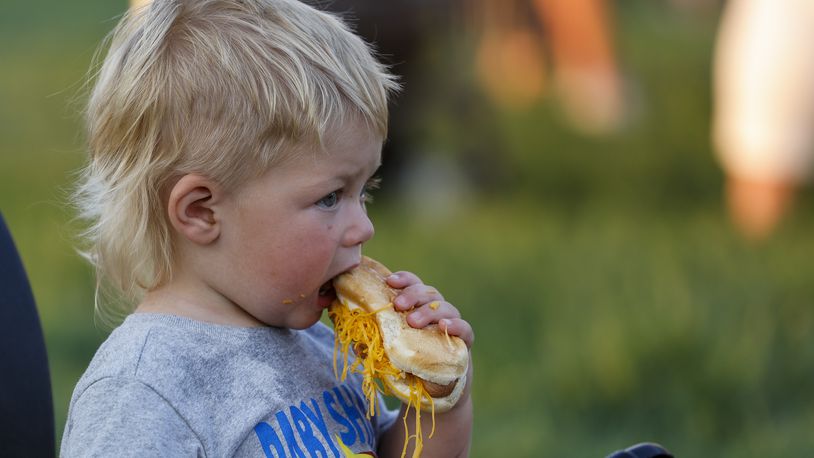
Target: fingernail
x: 393, y: 277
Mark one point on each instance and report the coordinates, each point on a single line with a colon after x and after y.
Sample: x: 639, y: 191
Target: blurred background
x: 568, y: 174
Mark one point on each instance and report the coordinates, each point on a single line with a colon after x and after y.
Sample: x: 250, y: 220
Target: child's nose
x: 360, y: 230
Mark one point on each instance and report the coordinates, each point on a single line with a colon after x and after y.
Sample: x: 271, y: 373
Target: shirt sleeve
x: 126, y: 418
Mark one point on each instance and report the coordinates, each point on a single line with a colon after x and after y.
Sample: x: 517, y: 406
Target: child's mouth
x: 327, y: 288
x: 326, y: 294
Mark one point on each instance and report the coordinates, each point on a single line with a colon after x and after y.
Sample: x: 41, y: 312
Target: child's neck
x: 195, y: 302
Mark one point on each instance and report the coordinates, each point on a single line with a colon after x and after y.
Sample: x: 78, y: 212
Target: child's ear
x: 192, y: 208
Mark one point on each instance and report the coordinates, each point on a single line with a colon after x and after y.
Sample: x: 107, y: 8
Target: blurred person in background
x: 423, y: 42
x: 403, y: 31
x: 516, y: 35
x: 763, y: 122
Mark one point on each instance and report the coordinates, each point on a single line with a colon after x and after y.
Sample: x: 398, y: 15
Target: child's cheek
x: 332, y: 234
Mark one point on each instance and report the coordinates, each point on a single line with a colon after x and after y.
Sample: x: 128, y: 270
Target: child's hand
x: 453, y: 428
x: 428, y: 306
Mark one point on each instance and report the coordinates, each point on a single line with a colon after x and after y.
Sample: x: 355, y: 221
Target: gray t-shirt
x: 165, y: 386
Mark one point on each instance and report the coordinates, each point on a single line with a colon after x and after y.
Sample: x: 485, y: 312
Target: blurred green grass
x: 611, y: 327
x: 611, y: 299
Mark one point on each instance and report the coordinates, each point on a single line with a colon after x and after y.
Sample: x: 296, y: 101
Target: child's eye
x: 329, y: 201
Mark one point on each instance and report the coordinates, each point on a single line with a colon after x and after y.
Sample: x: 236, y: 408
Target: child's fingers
x: 416, y: 295
x: 458, y: 327
x: 402, y: 279
x: 430, y: 306
x: 432, y: 312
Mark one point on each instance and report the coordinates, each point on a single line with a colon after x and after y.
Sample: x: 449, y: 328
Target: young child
x: 232, y: 144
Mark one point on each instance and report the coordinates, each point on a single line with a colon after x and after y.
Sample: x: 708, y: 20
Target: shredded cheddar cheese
x: 358, y: 329
x: 417, y: 393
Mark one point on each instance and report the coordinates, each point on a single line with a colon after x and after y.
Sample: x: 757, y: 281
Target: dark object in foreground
x: 643, y: 450
x: 27, y: 421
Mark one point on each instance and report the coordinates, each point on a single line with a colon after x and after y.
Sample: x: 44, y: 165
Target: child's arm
x: 453, y: 429
x: 124, y: 418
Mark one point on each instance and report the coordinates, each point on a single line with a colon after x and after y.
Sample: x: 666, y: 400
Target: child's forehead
x: 348, y: 160
x: 350, y: 128
x: 348, y: 141
x: 342, y: 153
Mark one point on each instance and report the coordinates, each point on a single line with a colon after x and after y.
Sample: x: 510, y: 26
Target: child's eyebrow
x: 320, y: 183
x: 347, y: 176
x: 340, y: 177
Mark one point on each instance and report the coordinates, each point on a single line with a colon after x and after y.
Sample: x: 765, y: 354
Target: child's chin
x: 303, y: 322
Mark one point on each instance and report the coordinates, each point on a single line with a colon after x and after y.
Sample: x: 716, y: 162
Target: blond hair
x: 223, y: 88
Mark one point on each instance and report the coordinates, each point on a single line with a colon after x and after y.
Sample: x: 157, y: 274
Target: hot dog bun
x: 427, y: 353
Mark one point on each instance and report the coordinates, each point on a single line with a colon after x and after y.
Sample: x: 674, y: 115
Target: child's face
x: 298, y: 226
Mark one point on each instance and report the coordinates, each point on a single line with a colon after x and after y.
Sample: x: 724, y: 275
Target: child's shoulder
x: 119, y: 354
x: 147, y: 345
x: 158, y: 349
x: 173, y: 357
